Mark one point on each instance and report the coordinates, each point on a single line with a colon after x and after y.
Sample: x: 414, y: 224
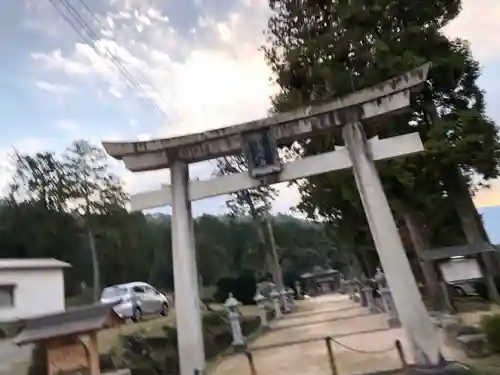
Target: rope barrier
x: 331, y: 354
x: 380, y: 351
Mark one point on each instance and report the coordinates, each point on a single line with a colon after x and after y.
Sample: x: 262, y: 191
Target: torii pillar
x: 259, y: 140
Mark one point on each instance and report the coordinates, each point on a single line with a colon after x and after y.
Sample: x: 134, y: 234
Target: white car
x: 134, y: 300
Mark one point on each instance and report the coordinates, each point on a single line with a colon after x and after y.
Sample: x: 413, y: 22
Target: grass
x: 110, y: 337
x: 485, y: 366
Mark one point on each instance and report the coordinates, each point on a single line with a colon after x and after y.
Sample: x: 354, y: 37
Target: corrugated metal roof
x: 31, y: 263
x: 453, y: 251
x: 74, y: 321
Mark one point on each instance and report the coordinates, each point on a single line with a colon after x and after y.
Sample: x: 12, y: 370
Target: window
x: 148, y: 289
x: 138, y: 289
x: 6, y: 296
x: 113, y: 292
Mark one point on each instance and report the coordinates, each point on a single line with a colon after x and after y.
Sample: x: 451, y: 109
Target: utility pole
x: 276, y: 267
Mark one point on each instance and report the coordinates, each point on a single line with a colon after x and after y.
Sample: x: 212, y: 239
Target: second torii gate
x: 259, y: 141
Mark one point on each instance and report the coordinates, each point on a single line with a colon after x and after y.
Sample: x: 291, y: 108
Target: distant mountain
x: 491, y: 219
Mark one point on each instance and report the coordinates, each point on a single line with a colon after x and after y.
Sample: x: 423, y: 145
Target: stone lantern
x: 260, y: 300
x: 290, y: 293
x: 234, y: 315
x: 275, y: 298
x: 285, y: 301
x: 388, y: 302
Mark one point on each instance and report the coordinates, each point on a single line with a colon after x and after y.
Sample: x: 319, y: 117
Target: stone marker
x: 234, y: 315
x: 260, y: 300
x: 385, y: 293
x: 275, y: 298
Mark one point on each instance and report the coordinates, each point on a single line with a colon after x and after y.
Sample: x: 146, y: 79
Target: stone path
x: 296, y: 344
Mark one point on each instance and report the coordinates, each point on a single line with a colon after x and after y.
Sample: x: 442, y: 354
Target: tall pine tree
x: 322, y: 49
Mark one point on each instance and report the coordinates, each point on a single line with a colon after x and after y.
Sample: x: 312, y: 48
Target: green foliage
x: 320, y: 50
x: 491, y: 327
x: 224, y: 286
x: 243, y: 288
x: 71, y: 207
x: 252, y: 202
x: 156, y: 354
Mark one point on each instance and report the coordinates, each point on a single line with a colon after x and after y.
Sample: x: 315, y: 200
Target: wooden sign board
x: 261, y: 154
x: 461, y: 269
x: 68, y: 359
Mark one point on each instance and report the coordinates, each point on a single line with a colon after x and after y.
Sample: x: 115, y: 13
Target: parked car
x: 134, y: 300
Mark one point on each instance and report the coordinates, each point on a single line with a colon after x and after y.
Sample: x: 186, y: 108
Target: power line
x: 130, y: 81
x: 117, y: 63
x: 141, y: 73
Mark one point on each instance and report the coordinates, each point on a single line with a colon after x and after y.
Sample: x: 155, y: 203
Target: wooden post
x: 251, y: 363
x: 331, y: 357
x: 93, y: 350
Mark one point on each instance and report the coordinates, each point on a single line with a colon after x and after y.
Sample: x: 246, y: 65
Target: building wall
x: 37, y: 292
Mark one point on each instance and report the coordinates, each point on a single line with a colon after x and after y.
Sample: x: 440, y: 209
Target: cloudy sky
x: 202, y: 59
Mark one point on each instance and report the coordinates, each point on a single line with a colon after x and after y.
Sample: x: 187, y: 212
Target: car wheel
x: 137, y: 314
x: 164, y: 310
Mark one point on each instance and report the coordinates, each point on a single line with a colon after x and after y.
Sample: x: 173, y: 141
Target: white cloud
x: 479, y: 24
x: 215, y: 84
x: 53, y: 88
x: 213, y: 76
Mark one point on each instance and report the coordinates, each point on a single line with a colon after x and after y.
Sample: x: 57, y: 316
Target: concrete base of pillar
x: 239, y: 348
x: 394, y: 323
x: 362, y: 298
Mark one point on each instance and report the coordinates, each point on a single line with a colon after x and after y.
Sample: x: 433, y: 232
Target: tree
x: 40, y: 179
x: 322, y: 50
x: 256, y: 203
x: 94, y: 190
x: 53, y: 197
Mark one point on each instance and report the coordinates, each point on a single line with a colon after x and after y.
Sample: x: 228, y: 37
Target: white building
x: 31, y: 287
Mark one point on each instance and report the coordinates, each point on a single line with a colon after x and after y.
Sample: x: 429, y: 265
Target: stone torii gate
x: 259, y: 140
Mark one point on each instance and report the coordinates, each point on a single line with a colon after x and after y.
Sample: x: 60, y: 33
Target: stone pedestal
x: 350, y: 289
x: 234, y: 315
x: 369, y: 300
x: 260, y: 300
x: 275, y: 298
x: 285, y: 301
x: 362, y: 296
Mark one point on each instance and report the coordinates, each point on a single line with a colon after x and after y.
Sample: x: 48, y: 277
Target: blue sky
x: 202, y: 58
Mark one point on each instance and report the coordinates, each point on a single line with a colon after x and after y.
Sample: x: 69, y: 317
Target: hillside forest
x: 72, y: 207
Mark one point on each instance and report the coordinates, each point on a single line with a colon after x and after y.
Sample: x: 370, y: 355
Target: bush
x: 243, y: 288
x: 152, y: 354
x: 224, y: 286
x: 491, y: 327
